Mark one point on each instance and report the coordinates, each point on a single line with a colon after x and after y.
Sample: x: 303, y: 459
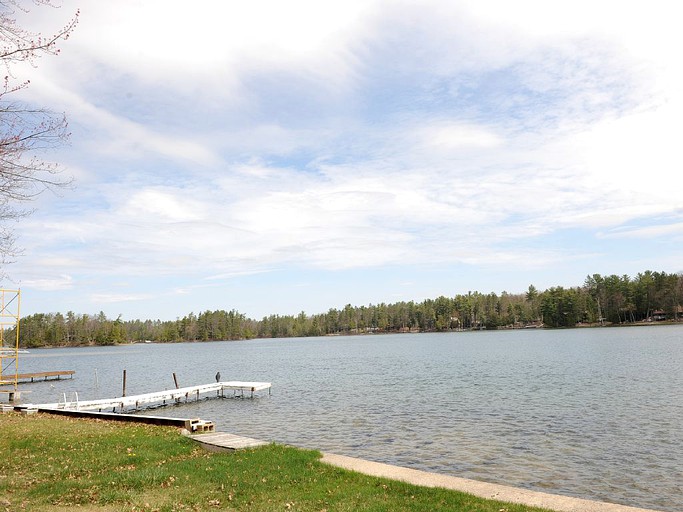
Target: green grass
x: 53, y: 463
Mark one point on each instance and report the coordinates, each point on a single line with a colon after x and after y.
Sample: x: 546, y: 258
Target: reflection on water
x: 595, y: 413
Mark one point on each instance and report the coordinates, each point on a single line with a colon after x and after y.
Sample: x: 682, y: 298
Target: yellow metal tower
x: 10, y: 301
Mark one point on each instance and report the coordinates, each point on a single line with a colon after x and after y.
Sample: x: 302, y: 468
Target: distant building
x: 657, y: 316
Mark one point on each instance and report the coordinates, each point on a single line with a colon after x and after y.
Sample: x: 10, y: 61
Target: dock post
x: 175, y: 379
x: 124, y: 383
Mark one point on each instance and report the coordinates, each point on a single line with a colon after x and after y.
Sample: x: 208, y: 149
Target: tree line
x: 601, y: 300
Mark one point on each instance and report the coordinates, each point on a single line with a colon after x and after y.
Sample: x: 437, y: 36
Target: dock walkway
x: 12, y: 379
x: 160, y: 397
x: 31, y: 377
x: 223, y: 441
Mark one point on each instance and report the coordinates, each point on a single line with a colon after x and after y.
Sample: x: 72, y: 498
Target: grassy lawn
x: 54, y: 463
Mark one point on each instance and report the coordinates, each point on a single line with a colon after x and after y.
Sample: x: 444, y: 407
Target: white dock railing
x: 69, y: 404
x: 163, y: 397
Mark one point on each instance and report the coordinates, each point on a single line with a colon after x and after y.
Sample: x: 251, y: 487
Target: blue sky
x: 274, y: 157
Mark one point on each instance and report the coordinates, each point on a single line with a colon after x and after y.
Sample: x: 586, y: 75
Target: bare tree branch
x: 25, y: 131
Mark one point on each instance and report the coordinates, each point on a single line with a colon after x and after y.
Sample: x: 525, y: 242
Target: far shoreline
x: 370, y: 332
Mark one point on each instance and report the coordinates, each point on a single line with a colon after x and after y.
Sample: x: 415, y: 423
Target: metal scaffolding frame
x: 10, y: 305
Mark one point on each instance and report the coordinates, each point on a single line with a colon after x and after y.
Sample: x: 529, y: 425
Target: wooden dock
x: 172, y: 396
x: 12, y: 379
x: 31, y: 377
x: 222, y: 441
x: 186, y: 423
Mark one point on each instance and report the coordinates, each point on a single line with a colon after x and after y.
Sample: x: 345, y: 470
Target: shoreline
x: 226, y: 442
x: 505, y: 493
x: 661, y: 323
x: 477, y: 488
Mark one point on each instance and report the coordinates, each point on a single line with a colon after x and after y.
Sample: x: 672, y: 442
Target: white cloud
x: 112, y: 135
x: 225, y: 140
x: 163, y: 206
x: 210, y: 45
x: 635, y: 156
x: 454, y: 136
x: 672, y: 231
x: 107, y: 298
x: 58, y: 283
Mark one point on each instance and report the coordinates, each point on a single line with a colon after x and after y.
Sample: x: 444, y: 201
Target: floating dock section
x: 31, y: 377
x: 14, y: 394
x: 171, y: 396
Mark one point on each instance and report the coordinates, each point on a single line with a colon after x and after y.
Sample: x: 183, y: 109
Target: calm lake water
x: 593, y: 413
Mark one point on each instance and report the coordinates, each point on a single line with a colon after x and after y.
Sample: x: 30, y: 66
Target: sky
x: 276, y: 157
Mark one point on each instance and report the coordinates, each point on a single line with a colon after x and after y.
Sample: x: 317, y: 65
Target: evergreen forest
x: 601, y: 300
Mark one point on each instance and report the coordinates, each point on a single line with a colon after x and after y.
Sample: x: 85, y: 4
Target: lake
x: 593, y: 413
